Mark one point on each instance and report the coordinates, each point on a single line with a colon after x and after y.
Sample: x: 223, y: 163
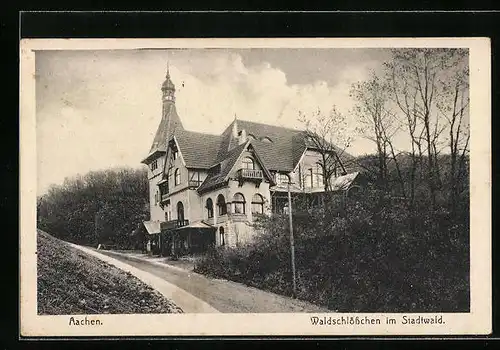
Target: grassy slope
x: 72, y: 282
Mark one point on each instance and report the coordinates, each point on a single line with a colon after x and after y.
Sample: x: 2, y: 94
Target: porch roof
x: 197, y: 224
x: 152, y: 227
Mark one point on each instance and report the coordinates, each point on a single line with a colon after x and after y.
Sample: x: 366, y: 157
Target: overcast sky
x: 100, y: 109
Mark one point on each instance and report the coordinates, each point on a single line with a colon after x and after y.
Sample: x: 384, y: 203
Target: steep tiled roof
x: 225, y: 167
x: 165, y: 129
x: 205, y: 151
x: 198, y: 150
x: 281, y: 154
x: 277, y: 154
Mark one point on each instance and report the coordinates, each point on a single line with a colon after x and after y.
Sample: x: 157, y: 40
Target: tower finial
x: 168, y: 68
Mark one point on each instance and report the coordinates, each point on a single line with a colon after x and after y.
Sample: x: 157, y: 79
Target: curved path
x: 184, y: 300
x: 222, y: 295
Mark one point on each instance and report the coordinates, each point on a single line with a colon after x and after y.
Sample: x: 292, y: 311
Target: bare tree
x: 455, y: 109
x: 329, y: 135
x: 376, y: 120
x: 419, y: 79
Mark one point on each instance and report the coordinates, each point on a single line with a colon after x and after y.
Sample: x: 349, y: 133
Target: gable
x: 231, y: 164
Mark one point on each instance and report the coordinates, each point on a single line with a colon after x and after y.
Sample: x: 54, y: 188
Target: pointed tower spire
x: 168, y: 88
x: 170, y: 121
x: 235, y: 126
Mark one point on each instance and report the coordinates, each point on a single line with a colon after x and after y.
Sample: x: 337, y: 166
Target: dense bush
x: 100, y: 207
x: 365, y: 258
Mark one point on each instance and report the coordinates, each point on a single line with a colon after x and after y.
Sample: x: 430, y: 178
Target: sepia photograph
x: 261, y: 181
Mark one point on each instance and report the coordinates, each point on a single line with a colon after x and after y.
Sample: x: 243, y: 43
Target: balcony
x: 250, y: 174
x: 164, y: 197
x: 173, y: 224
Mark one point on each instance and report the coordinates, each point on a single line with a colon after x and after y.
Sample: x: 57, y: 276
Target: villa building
x: 208, y: 189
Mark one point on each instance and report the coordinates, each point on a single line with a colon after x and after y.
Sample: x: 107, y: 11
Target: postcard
x: 255, y: 187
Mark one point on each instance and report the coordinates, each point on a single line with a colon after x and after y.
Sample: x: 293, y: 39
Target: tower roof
x: 168, y: 84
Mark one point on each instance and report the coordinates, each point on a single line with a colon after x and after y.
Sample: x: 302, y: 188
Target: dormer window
x: 266, y: 139
x: 251, y: 137
x: 154, y: 165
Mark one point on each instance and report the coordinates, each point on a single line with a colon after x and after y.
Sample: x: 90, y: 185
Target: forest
x: 101, y: 207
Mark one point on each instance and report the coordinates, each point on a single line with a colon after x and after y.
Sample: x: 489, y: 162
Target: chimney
x: 242, y: 137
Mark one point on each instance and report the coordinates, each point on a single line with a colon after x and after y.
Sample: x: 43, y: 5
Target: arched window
x: 177, y: 177
x: 239, y: 203
x: 257, y: 204
x: 221, y: 235
x: 248, y: 163
x: 180, y: 211
x: 221, y: 205
x: 282, y: 178
x: 210, y: 208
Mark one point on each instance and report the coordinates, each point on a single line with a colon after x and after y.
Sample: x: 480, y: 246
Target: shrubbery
x: 365, y: 258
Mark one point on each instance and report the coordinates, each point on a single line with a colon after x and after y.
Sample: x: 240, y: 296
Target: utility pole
x: 292, y: 245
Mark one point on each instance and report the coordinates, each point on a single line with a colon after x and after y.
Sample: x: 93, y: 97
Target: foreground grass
x: 72, y: 282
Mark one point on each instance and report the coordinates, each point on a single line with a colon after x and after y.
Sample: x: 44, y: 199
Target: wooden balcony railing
x: 250, y: 174
x: 173, y: 224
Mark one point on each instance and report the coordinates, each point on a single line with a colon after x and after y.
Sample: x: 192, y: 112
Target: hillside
x: 71, y: 282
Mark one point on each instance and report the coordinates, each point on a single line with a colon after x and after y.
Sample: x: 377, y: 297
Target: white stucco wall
x: 154, y: 176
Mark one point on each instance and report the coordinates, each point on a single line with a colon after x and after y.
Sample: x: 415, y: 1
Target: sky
x: 100, y: 109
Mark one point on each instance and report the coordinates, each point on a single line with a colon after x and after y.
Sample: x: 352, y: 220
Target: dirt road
x: 225, y: 296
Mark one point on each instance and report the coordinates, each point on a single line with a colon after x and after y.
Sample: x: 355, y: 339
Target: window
x: 175, y: 154
x: 177, y: 177
x: 308, y: 181
x: 239, y: 203
x: 221, y: 205
x: 248, y: 163
x: 266, y: 139
x: 168, y: 212
x: 251, y: 137
x: 221, y: 235
x: 154, y: 165
x: 210, y: 208
x: 180, y: 211
x: 163, y: 188
x: 282, y: 178
x: 257, y: 204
